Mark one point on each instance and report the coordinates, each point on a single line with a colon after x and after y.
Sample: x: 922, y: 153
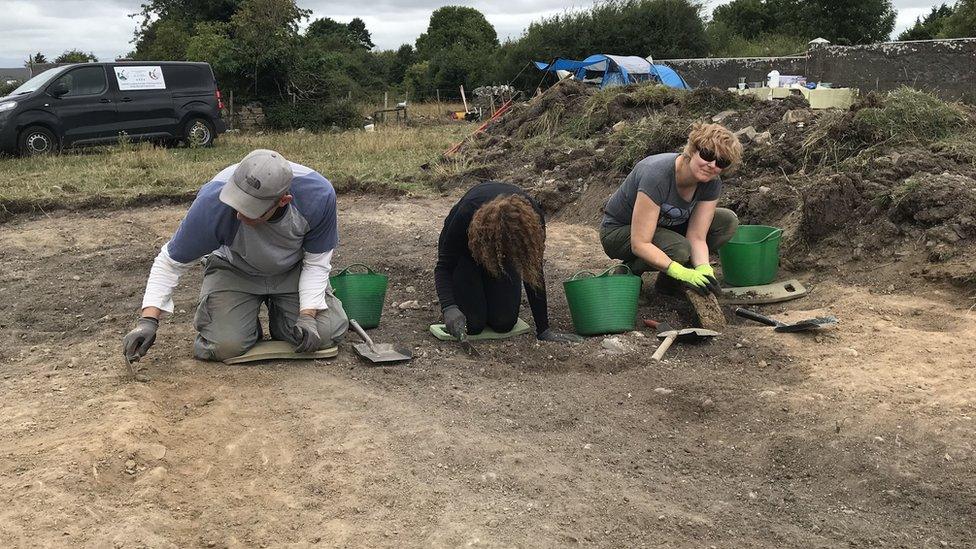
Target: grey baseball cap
x: 257, y: 183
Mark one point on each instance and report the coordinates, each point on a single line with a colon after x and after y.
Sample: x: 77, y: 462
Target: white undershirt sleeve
x: 314, y: 280
x: 163, y: 277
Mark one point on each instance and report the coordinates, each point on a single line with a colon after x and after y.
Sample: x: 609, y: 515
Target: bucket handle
x: 604, y: 273
x: 771, y: 234
x: 363, y: 265
x: 578, y: 274
x: 617, y: 266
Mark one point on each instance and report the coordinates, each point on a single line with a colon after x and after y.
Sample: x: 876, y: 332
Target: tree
x: 930, y: 27
x: 403, y: 58
x: 840, y: 21
x: 962, y: 22
x: 163, y: 40
x: 266, y: 39
x: 460, y: 26
x: 36, y: 59
x: 361, y: 37
x: 336, y: 35
x: 845, y: 22
x: 662, y: 28
x: 75, y: 56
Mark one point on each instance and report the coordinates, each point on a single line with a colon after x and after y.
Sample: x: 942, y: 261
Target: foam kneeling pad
x: 521, y: 327
x: 279, y: 350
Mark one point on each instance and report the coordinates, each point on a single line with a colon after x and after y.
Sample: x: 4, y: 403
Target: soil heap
x: 889, y: 183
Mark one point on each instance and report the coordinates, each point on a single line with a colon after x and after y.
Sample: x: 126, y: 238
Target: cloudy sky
x: 105, y: 28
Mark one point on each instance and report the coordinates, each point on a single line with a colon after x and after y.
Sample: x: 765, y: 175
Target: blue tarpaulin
x: 615, y: 70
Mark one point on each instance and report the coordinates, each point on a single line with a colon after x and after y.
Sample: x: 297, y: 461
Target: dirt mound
x: 894, y: 174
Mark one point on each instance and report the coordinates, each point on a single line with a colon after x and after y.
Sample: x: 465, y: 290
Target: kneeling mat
x: 521, y: 327
x: 279, y: 350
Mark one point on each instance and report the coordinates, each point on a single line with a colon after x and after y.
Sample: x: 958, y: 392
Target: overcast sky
x: 105, y: 28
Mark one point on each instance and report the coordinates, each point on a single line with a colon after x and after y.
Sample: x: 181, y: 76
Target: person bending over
x: 664, y: 215
x: 268, y: 228
x: 492, y: 242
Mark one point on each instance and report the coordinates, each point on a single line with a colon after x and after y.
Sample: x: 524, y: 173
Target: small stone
x: 636, y: 334
x: 619, y: 126
x: 614, y: 345
x: 413, y: 304
x: 767, y: 393
x: 130, y: 467
x: 76, y: 277
x: 718, y: 118
x: 707, y: 405
x: 587, y: 446
x: 663, y: 391
x: 879, y: 439
x: 763, y: 189
x: 739, y: 345
x: 850, y: 351
x: 753, y: 495
x: 411, y: 289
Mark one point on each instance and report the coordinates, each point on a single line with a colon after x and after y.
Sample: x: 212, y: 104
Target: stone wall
x: 248, y: 118
x: 944, y: 67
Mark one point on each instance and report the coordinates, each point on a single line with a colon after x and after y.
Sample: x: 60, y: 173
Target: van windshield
x: 38, y: 81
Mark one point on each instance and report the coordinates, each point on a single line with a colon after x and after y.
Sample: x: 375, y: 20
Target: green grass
x: 139, y: 173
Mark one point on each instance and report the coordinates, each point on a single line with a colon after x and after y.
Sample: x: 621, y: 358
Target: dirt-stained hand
x: 137, y: 342
x: 307, y: 332
x: 455, y: 322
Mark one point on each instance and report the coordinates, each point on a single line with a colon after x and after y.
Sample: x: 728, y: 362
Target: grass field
x: 138, y: 173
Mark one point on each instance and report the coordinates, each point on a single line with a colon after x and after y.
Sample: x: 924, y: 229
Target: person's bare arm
x: 701, y: 220
x: 642, y: 226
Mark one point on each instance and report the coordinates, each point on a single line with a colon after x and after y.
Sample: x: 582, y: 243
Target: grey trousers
x: 616, y: 240
x: 227, y: 316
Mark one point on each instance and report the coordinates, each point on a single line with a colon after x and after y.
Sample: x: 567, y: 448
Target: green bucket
x: 605, y: 303
x: 361, y: 294
x: 752, y: 256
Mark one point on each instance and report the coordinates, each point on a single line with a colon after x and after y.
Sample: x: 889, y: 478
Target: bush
x: 314, y: 115
x: 5, y: 89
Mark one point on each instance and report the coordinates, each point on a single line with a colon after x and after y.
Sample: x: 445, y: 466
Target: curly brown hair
x: 507, y: 231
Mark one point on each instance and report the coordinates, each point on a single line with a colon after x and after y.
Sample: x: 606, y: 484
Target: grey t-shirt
x: 654, y: 176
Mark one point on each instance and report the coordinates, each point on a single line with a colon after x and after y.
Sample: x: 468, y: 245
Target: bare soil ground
x: 862, y: 436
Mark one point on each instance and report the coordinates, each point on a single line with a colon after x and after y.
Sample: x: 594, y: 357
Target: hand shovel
x: 799, y: 326
x: 670, y: 335
x: 378, y: 353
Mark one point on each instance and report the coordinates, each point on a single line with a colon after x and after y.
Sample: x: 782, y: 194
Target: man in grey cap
x: 268, y: 229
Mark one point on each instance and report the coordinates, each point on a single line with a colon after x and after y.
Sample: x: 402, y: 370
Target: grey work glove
x: 455, y: 321
x: 137, y: 342
x: 307, y: 332
x: 549, y: 335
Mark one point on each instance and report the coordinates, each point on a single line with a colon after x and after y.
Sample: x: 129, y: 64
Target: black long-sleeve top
x: 453, y: 243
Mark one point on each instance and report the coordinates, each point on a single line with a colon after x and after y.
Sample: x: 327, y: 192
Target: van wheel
x: 37, y: 140
x: 198, y: 133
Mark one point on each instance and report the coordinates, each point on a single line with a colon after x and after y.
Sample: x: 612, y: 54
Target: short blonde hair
x: 718, y: 139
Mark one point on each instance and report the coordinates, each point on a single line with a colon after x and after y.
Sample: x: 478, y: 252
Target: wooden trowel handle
x: 663, y: 347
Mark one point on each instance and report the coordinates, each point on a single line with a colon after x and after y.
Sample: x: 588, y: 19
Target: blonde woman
x: 664, y: 217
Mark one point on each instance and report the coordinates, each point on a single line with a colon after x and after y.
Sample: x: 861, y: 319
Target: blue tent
x: 616, y: 70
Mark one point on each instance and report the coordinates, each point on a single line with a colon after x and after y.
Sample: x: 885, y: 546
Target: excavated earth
x: 859, y: 436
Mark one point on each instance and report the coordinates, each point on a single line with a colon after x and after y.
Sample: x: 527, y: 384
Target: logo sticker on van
x: 140, y: 78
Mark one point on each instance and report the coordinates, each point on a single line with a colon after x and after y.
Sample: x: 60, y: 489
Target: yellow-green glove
x: 689, y: 277
x: 712, y: 285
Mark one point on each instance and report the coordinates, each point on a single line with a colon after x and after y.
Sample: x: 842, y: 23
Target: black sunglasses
x: 709, y: 155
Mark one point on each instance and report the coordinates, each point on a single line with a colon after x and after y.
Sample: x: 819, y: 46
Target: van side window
x: 183, y: 77
x: 85, y: 81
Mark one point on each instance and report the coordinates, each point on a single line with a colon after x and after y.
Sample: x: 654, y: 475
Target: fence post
x: 386, y: 100
x: 231, y: 109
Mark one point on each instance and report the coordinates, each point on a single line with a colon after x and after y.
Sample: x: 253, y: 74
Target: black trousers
x: 485, y: 300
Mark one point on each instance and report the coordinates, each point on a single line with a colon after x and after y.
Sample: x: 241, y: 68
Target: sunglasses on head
x: 709, y: 155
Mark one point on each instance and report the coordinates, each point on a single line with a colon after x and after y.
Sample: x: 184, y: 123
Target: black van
x: 91, y: 103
